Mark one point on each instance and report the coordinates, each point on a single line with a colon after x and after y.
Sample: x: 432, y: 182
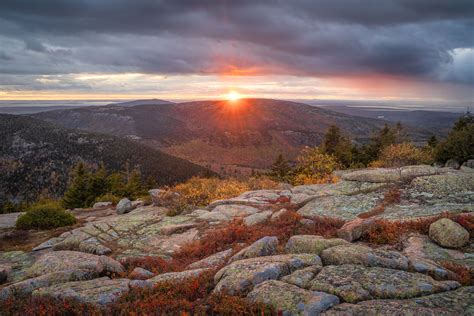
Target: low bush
x: 404, y: 154
x: 46, y: 306
x: 314, y: 167
x: 463, y: 273
x: 189, y: 297
x: 391, y: 232
x: 199, y: 192
x: 108, y: 197
x: 45, y: 215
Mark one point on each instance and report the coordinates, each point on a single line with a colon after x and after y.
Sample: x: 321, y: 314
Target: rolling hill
x: 222, y: 135
x: 442, y: 121
x: 36, y: 158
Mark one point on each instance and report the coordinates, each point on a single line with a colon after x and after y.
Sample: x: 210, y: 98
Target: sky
x: 399, y: 51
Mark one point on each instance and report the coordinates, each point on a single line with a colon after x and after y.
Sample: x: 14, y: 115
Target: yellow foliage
x: 398, y: 155
x: 198, y: 192
x: 314, y: 167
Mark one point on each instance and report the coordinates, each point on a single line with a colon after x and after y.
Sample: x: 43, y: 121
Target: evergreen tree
x: 336, y: 144
x: 98, y: 185
x: 77, y: 195
x: 281, y: 170
x: 432, y: 142
x: 332, y: 138
x: 459, y: 144
x: 134, y: 184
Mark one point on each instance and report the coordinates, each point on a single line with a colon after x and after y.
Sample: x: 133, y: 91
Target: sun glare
x: 233, y: 96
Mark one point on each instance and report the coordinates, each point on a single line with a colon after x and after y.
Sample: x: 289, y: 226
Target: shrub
x: 108, y: 197
x: 45, y: 215
x: 391, y: 232
x: 313, y: 166
x: 462, y: 272
x: 46, y: 305
x: 460, y: 142
x: 398, y: 155
x: 192, y: 296
x: 198, y: 192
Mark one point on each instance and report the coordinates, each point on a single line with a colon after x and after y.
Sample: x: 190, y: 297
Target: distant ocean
x: 74, y: 103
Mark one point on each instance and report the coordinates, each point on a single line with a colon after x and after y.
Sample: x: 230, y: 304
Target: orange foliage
x: 390, y: 232
x: 189, y: 297
x: 46, y: 306
x: 236, y: 235
x: 463, y: 273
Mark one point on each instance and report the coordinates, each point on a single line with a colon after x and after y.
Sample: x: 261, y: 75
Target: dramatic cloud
x: 426, y: 40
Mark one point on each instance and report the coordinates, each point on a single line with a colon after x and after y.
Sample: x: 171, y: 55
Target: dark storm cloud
x: 404, y: 37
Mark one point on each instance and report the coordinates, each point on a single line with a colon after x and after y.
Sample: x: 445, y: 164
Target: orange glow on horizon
x: 233, y: 96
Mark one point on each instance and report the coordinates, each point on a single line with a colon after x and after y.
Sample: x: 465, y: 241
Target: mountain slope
x: 36, y: 157
x: 443, y: 121
x: 248, y: 133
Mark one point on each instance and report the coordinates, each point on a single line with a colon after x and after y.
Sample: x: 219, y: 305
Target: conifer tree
x: 77, y: 194
x: 281, y: 169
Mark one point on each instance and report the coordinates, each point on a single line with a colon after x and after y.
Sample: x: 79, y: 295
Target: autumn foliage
x: 391, y: 232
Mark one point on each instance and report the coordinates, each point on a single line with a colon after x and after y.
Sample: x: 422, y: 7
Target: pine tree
x: 98, y: 185
x: 134, y: 184
x: 281, y: 169
x: 432, y: 142
x: 77, y: 194
x: 336, y: 144
x: 331, y: 139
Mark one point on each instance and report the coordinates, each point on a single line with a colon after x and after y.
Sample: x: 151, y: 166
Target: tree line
x: 388, y: 147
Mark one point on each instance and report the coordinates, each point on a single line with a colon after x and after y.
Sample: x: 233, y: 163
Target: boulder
x: 354, y: 229
x: 99, y: 291
x: 176, y: 277
x: 265, y: 246
x: 458, y: 302
x: 29, y: 285
x: 451, y: 163
x: 241, y: 276
x: 213, y: 217
x: 302, y: 277
x: 410, y: 172
x: 232, y: 211
x: 73, y: 260
x: 311, y: 244
x: 469, y: 163
x: 257, y: 218
x: 124, y: 206
x: 215, y: 260
x: 363, y: 255
x: 141, y: 274
x: 449, y: 234
x: 421, y: 247
x: 376, y: 175
x: 290, y: 299
x: 100, y: 205
x: 345, y: 207
x: 355, y: 283
x: 278, y: 215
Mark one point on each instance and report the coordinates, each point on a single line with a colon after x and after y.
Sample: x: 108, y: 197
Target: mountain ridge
x: 37, y: 156
x: 248, y: 133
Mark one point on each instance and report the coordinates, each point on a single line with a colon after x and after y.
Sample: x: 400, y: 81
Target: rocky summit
x: 427, y: 271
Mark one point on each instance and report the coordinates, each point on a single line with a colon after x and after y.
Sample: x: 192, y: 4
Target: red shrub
x: 46, y: 306
x: 391, y: 232
x: 192, y: 296
x: 463, y: 273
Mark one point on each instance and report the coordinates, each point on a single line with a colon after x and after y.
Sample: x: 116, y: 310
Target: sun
x: 233, y: 96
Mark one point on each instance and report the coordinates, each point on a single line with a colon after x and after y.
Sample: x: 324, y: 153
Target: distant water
x: 74, y: 103
x: 36, y: 106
